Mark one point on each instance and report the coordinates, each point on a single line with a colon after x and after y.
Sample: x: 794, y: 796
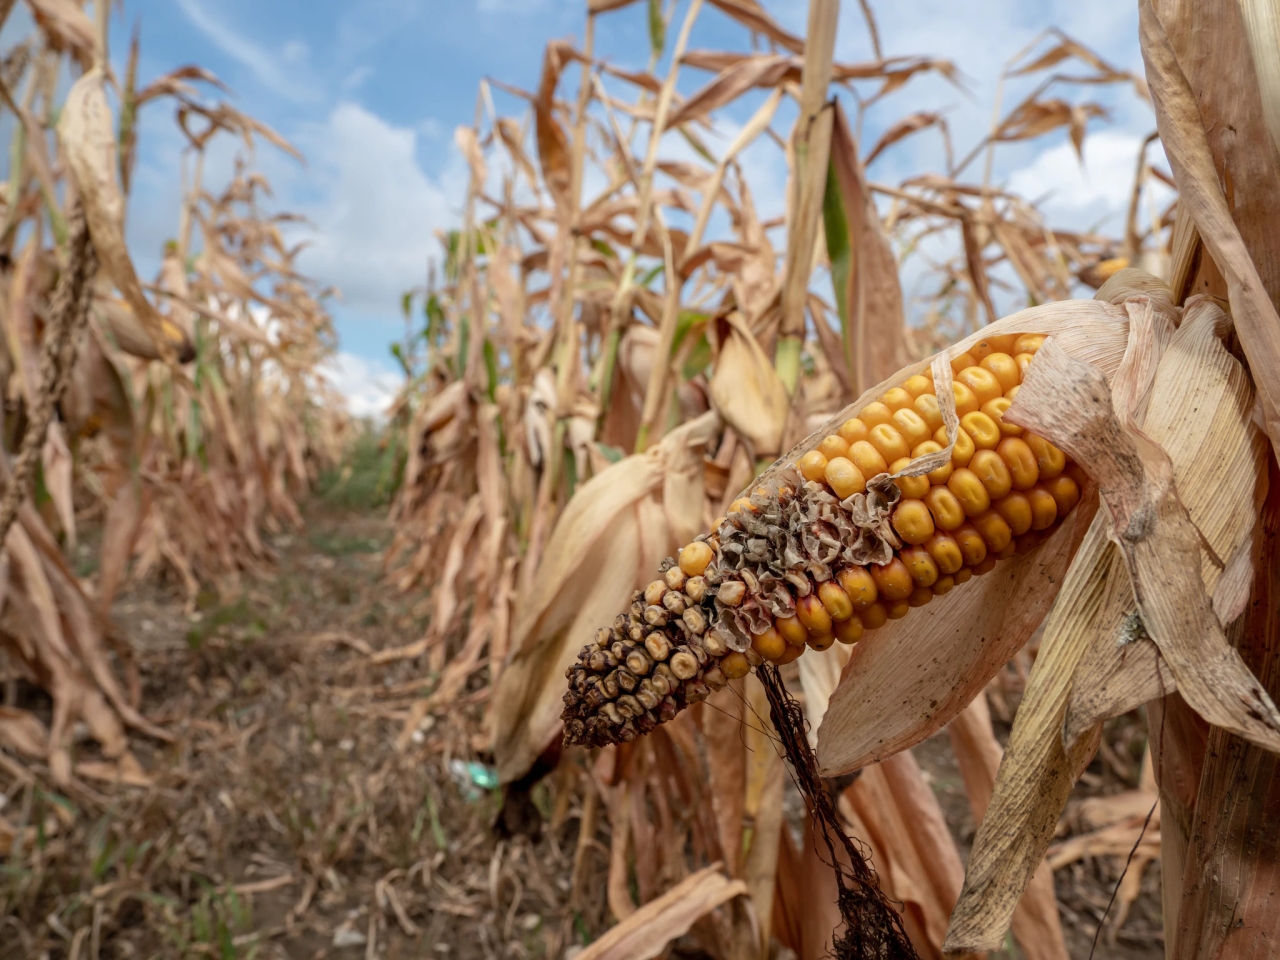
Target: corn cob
x: 842, y: 543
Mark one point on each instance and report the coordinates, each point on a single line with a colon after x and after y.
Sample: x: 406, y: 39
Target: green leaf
x: 491, y: 367
x: 657, y: 28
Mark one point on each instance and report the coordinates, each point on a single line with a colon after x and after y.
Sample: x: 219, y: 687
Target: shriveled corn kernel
x: 995, y: 410
x: 964, y: 449
x: 986, y: 566
x: 868, y: 459
x: 966, y: 400
x: 813, y: 615
x: 1016, y: 510
x: 921, y: 566
x: 917, y: 385
x: 912, y: 427
x: 694, y: 558
x: 893, y: 580
x: 836, y: 600
x: 1017, y: 456
x: 897, y: 398
x: 874, y: 616
x: 972, y: 547
x: 995, y: 532
x: 1004, y: 368
x: 734, y: 665
x: 769, y: 644
x: 963, y: 575
x: 1023, y: 360
x: 927, y: 409
x: 982, y: 429
x: 1044, y: 508
x: 944, y: 507
x: 913, y: 521
x: 939, y: 475
x: 920, y: 596
x: 898, y: 609
x: 1029, y: 343
x: 833, y: 446
x: 891, y: 444
x: 912, y: 487
x: 849, y: 631
x: 945, y: 552
x: 982, y: 382
x: 853, y: 430
x: 991, y: 470
x: 944, y: 585
x: 1065, y: 493
x: 859, y: 585
x: 874, y: 414
x: 962, y: 362
x: 1049, y: 458
x: 844, y: 478
x: 968, y: 489
x: 813, y: 466
x: 821, y: 641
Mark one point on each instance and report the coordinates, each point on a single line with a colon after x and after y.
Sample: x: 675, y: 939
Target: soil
x: 315, y: 803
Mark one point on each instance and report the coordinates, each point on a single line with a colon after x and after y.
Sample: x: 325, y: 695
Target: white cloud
x: 284, y: 71
x: 367, y: 385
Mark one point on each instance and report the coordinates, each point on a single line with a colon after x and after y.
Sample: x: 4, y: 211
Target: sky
x: 370, y: 91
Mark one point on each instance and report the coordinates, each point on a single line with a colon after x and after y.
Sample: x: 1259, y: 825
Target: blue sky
x: 371, y: 91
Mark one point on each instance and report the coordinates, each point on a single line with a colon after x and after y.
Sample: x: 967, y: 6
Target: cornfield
x: 706, y: 524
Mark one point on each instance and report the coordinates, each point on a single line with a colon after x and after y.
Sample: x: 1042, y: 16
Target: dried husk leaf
x: 745, y: 388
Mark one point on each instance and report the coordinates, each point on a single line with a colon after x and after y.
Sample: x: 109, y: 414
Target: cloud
x: 285, y: 71
x: 367, y: 385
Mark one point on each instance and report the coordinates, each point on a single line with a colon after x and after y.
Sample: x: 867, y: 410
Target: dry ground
x: 310, y: 808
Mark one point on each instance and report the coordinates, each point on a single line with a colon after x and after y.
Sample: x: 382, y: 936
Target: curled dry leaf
x: 745, y: 388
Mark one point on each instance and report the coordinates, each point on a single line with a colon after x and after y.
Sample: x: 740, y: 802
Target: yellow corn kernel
x: 1002, y: 343
x: 982, y: 382
x: 874, y: 616
x: 833, y: 446
x: 972, y: 547
x: 1010, y: 549
x: 859, y: 585
x: 734, y: 665
x: 926, y: 406
x: 849, y: 631
x: 844, y: 478
x: 867, y: 459
x: 1023, y: 360
x: 1012, y: 392
x: 935, y: 476
x: 993, y: 473
x: 1029, y: 541
x: 1044, y: 508
x: 821, y: 641
x: 945, y: 508
x: 920, y: 596
x: 1017, y: 456
x: 1029, y: 343
x: 1049, y: 459
x: 742, y: 506
x: 983, y: 430
x: 995, y: 410
x: 964, y: 449
x: 981, y: 350
x: 769, y: 644
x: 813, y: 466
x: 913, y: 521
x: 963, y: 575
x: 912, y: 487
x: 945, y: 552
x: 899, y: 609
x: 1076, y: 473
x: 1065, y: 494
x: 836, y: 600
x: 918, y: 385
x: 792, y: 630
x: 893, y: 580
x: 1004, y: 368
x: 968, y: 489
x: 874, y: 414
x: 921, y: 566
x: 853, y: 430
x: 694, y: 558
x: 962, y: 362
x: 1016, y: 510
x: 813, y: 615
x: 891, y: 444
x: 897, y: 398
x: 986, y: 566
x: 792, y: 654
x: 995, y: 532
x: 966, y: 400
x: 944, y: 585
x: 912, y: 427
